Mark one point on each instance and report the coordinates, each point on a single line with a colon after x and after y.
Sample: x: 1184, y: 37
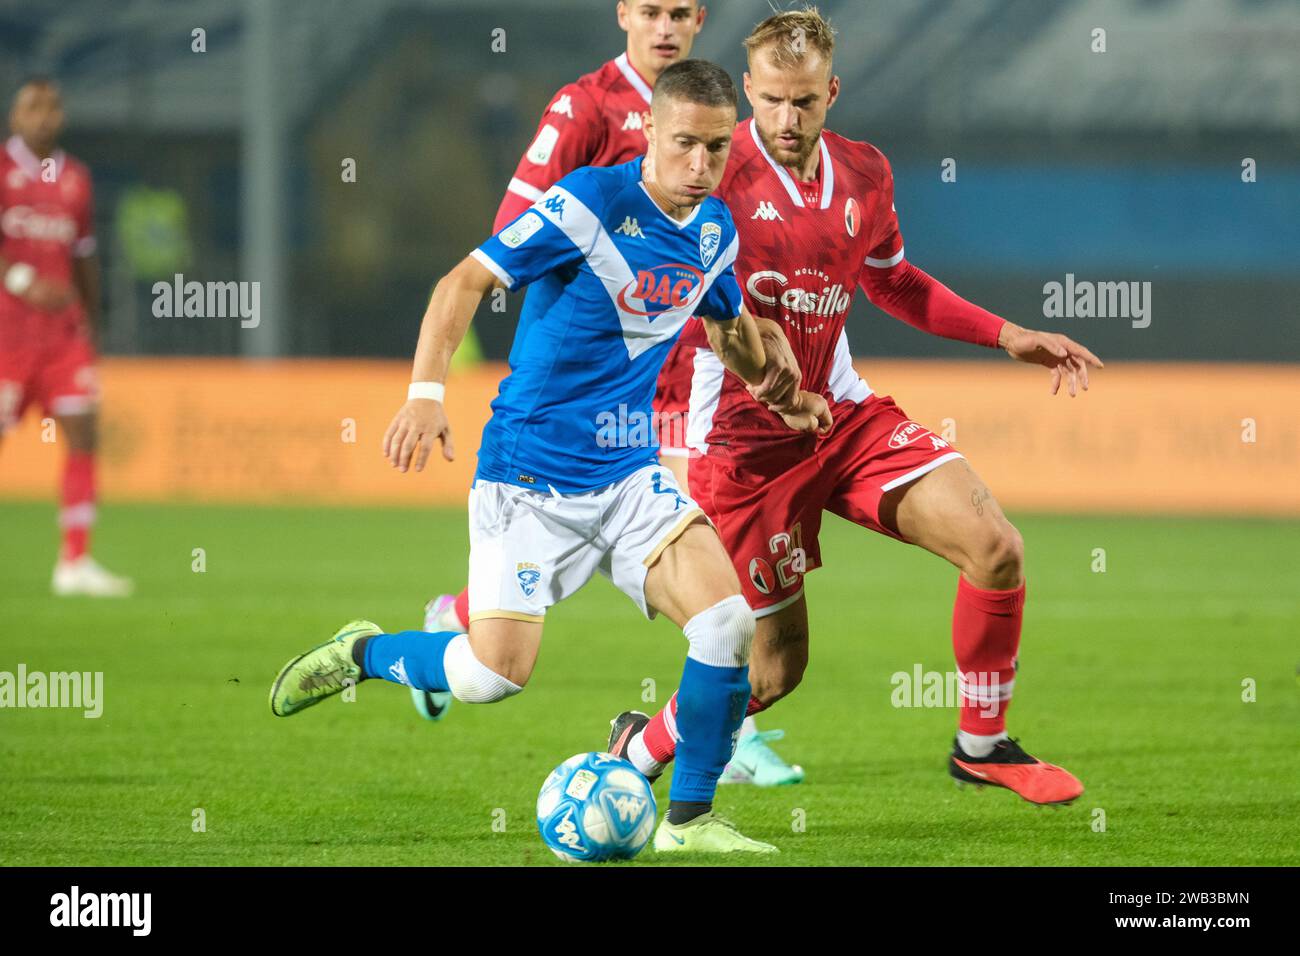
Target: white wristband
x: 19, y: 277
x: 431, y: 390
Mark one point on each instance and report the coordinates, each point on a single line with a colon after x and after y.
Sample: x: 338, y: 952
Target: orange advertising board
x: 1173, y: 438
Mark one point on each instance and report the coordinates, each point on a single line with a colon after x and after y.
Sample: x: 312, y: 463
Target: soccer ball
x: 595, y: 807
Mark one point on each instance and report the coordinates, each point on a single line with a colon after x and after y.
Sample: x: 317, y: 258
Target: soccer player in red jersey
x: 816, y: 218
x: 48, y: 309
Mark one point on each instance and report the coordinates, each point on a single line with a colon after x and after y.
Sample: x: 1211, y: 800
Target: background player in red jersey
x: 816, y: 218
x: 48, y: 310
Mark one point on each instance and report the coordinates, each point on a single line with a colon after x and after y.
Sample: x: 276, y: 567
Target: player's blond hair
x: 788, y: 36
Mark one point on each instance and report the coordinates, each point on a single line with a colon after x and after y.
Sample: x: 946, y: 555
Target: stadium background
x: 1123, y: 166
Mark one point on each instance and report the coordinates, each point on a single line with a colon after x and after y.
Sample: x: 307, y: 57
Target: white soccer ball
x: 596, y: 807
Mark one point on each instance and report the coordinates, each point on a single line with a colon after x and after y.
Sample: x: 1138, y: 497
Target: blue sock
x: 413, y: 658
x: 711, y: 705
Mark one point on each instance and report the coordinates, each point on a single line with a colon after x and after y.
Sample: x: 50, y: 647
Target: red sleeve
x: 908, y: 294
x: 568, y: 136
x: 920, y: 300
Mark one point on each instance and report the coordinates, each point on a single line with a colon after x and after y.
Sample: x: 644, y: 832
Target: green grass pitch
x: 1132, y: 678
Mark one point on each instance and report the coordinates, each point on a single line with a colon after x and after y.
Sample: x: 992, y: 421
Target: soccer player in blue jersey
x: 616, y: 260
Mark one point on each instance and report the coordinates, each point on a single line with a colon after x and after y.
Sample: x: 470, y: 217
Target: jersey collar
x: 28, y: 161
x: 632, y: 76
x: 679, y: 223
x: 827, y: 170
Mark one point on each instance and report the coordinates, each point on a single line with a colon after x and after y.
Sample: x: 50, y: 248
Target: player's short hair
x: 788, y: 36
x: 695, y: 81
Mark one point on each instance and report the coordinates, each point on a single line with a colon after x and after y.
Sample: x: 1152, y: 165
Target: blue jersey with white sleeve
x: 611, y: 281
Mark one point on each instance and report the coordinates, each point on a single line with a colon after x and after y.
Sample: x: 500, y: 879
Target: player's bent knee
x: 722, y: 635
x: 470, y: 680
x: 1003, y: 556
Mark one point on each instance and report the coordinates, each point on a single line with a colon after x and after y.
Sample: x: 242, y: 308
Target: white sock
x: 639, y: 754
x: 748, y: 727
x: 978, y: 745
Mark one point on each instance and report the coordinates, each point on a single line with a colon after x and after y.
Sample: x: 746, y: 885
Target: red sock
x: 461, y: 607
x: 660, y: 735
x: 986, y: 637
x: 77, y: 511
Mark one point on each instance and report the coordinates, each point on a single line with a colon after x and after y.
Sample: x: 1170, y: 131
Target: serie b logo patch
x: 529, y: 575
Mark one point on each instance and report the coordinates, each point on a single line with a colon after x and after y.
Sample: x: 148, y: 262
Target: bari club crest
x: 529, y: 576
x: 852, y: 216
x: 710, y: 239
x: 760, y: 575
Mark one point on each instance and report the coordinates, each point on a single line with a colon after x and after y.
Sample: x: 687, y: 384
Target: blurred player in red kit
x: 48, y: 310
x: 816, y: 218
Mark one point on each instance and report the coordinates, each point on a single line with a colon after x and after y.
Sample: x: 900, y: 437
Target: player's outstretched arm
x: 422, y: 419
x: 1061, y: 354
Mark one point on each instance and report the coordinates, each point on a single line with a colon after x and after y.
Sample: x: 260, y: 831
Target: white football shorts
x: 531, y: 549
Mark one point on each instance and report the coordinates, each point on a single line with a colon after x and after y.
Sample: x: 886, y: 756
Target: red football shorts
x: 673, y: 400
x: 768, y: 509
x: 48, y: 364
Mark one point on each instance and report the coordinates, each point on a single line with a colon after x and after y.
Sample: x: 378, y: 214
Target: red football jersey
x: 802, y: 248
x: 46, y: 215
x: 595, y: 121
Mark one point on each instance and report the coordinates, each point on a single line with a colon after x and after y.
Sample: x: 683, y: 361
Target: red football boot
x: 1010, y: 767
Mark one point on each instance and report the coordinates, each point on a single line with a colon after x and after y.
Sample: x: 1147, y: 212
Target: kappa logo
x: 631, y: 228
x: 710, y: 240
x: 563, y: 105
x: 556, y: 205
x: 398, y: 670
x: 633, y: 120
x: 566, y: 831
x: 767, y: 212
x: 529, y: 575
x: 627, y: 806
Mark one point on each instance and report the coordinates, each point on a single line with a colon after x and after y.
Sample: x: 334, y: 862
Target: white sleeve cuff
x: 491, y: 265
x: 889, y: 263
